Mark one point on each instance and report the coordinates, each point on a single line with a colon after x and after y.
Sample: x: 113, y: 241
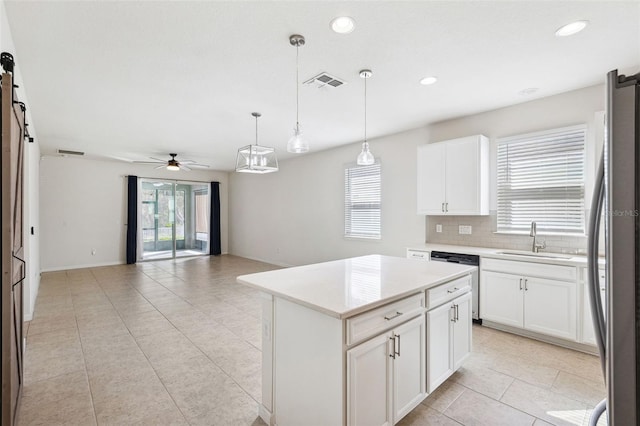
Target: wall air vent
x: 323, y: 79
x: 68, y: 152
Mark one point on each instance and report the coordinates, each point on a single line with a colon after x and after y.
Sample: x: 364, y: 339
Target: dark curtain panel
x: 132, y: 219
x: 215, y: 247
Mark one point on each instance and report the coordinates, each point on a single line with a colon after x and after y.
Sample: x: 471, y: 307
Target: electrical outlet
x: 438, y: 228
x: 93, y: 252
x: 464, y: 229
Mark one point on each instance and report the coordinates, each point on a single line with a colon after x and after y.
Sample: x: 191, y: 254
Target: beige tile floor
x: 178, y: 342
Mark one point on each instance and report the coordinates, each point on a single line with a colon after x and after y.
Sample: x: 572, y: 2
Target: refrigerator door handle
x: 597, y: 312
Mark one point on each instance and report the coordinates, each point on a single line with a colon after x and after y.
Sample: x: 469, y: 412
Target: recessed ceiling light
x: 343, y: 25
x: 571, y: 29
x: 528, y: 91
x: 428, y: 80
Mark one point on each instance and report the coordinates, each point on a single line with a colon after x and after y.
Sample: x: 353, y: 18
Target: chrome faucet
x: 536, y: 246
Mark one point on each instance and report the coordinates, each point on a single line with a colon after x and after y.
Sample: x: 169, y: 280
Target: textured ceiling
x: 132, y: 79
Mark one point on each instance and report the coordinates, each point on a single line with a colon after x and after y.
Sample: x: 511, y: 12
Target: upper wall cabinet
x: 453, y: 177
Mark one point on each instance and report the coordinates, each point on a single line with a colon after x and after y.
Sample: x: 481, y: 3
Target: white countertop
x: 343, y: 288
x: 565, y: 259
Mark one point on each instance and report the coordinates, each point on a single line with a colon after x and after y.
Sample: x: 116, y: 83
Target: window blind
x: 541, y: 179
x: 362, y: 201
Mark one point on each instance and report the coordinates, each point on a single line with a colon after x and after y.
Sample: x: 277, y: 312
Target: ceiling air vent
x: 68, y: 152
x: 323, y: 79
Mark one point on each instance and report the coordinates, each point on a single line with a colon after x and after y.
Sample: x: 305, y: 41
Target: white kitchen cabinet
x: 448, y: 339
x: 369, y: 382
x: 386, y: 375
x: 409, y: 367
x: 453, y: 177
x: 540, y: 305
x: 588, y: 334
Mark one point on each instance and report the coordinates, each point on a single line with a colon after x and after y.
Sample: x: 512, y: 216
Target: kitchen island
x: 359, y: 341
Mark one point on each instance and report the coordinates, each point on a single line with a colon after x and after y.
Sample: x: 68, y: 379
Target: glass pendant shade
x: 256, y: 158
x: 365, y: 158
x: 297, y: 144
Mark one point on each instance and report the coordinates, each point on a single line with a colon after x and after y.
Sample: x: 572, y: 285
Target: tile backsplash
x: 484, y: 235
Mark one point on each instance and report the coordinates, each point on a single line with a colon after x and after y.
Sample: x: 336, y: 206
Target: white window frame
x: 552, y: 217
x: 361, y: 228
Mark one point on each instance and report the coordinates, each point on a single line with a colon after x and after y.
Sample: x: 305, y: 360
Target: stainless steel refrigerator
x: 616, y: 202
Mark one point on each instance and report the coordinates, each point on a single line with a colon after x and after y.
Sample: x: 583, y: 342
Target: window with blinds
x: 541, y: 179
x: 362, y: 201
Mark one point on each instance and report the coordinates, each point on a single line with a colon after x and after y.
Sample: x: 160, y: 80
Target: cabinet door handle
x: 393, y: 352
x: 398, y: 313
x: 452, y: 291
x: 526, y: 288
x: 398, y: 351
x: 446, y: 207
x: 520, y: 283
x: 442, y: 208
x: 453, y: 307
x: 456, y: 312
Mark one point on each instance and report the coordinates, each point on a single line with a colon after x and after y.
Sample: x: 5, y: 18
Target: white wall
x: 83, y: 206
x: 296, y: 216
x: 31, y: 172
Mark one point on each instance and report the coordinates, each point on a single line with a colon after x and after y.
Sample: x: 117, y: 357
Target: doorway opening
x: 174, y: 218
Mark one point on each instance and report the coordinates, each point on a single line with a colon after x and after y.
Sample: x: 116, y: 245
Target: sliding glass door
x: 174, y: 219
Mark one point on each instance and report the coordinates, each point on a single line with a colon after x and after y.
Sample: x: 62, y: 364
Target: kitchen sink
x: 530, y: 254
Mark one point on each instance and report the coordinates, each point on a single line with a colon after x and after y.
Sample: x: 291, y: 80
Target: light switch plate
x: 438, y: 228
x: 464, y: 229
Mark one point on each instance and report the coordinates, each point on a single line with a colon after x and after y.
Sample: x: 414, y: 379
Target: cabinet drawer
x: 418, y: 254
x: 530, y: 269
x: 380, y: 319
x: 443, y: 293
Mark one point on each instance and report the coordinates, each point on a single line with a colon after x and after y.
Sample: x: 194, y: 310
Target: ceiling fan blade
x: 187, y: 161
x: 160, y: 167
x: 199, y: 165
x: 157, y: 159
x: 183, y: 167
x: 148, y: 162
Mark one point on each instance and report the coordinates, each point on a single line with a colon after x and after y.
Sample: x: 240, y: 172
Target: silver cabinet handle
x: 452, y: 291
x: 398, y: 351
x: 457, y: 312
x: 393, y: 352
x: 398, y: 313
x: 520, y: 283
x: 446, y: 207
x: 526, y: 288
x: 442, y: 207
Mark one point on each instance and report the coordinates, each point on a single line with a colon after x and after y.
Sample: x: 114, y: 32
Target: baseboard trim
x: 581, y: 347
x: 258, y: 259
x: 72, y: 267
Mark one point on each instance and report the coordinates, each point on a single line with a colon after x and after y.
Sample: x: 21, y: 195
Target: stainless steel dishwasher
x: 465, y: 259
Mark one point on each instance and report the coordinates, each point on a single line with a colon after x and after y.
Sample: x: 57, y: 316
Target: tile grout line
x: 140, y: 349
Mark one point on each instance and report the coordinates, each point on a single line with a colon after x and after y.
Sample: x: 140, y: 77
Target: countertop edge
x: 360, y: 309
x: 492, y: 252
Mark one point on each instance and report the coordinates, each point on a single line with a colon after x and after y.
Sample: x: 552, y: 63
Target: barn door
x: 11, y: 236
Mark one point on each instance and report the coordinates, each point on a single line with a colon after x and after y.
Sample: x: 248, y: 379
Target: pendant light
x: 365, y: 158
x: 256, y: 158
x: 297, y: 144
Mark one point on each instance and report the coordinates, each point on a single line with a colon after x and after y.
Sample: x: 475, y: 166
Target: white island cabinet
x: 345, y: 342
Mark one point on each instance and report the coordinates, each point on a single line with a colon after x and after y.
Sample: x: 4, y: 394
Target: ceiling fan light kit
x: 256, y: 158
x: 173, y: 164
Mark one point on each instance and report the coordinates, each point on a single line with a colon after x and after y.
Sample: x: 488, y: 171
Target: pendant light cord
x: 256, y: 130
x: 297, y: 87
x: 365, y: 110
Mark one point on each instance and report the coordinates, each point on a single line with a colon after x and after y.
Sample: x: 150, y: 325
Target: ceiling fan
x: 173, y: 164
